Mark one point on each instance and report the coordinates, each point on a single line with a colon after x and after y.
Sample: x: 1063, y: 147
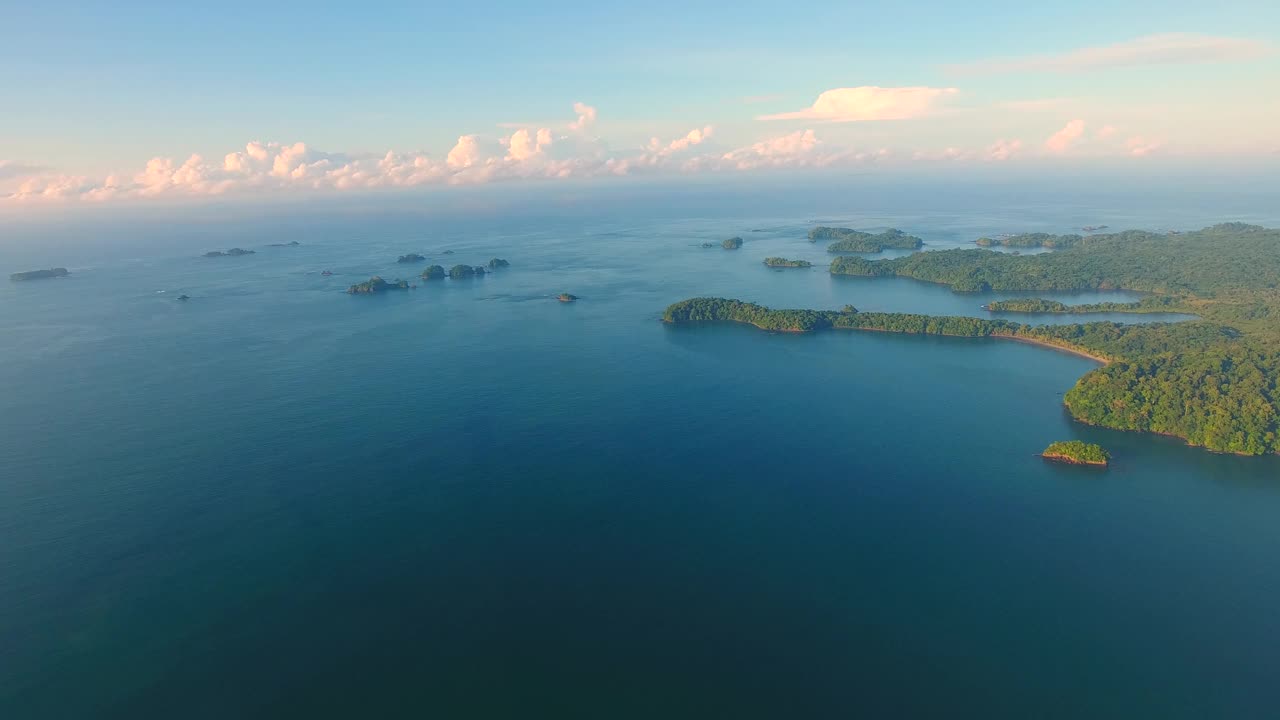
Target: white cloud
x: 586, y: 116
x: 524, y: 145
x: 1105, y: 132
x: 1062, y: 140
x: 1004, y: 149
x: 868, y: 102
x: 1161, y: 49
x: 792, y: 150
x: 465, y: 153
x: 1139, y: 146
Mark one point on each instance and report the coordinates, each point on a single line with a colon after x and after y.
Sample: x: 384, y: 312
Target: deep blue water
x: 469, y: 500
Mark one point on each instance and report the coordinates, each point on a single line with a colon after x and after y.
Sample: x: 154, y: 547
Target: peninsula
x: 40, y: 274
x: 1149, y: 304
x: 1075, y: 452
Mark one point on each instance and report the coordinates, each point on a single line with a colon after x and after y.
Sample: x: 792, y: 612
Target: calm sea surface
x: 470, y: 500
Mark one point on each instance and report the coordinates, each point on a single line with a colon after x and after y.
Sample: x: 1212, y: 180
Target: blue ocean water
x: 470, y: 500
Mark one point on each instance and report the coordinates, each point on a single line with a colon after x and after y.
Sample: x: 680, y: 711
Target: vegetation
x: 1077, y: 453
x: 856, y: 241
x: 496, y: 263
x: 1149, y: 304
x: 785, y: 263
x: 410, y: 258
x: 1031, y: 240
x: 566, y: 297
x: 1214, y: 382
x: 375, y: 285
x: 457, y: 272
x: 433, y: 272
x: 233, y: 252
x: 732, y: 243
x: 41, y: 274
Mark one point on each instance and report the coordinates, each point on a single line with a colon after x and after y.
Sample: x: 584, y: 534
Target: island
x: 1093, y: 228
x: 410, y: 258
x: 184, y: 297
x: 496, y: 263
x: 1075, y: 452
x: 40, y: 274
x: 732, y: 243
x: 777, y: 262
x: 458, y: 272
x: 434, y: 272
x: 233, y: 252
x: 566, y: 297
x: 376, y: 285
x: 1030, y: 240
x: 856, y: 241
x: 291, y: 243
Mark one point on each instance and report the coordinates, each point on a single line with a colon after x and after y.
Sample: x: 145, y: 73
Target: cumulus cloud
x: 1062, y: 140
x: 793, y: 149
x: 868, y: 102
x: 586, y: 116
x: 1105, y: 132
x: 465, y: 153
x: 695, y: 136
x: 1161, y: 49
x: 524, y: 145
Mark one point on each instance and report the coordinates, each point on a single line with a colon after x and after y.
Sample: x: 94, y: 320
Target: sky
x: 139, y: 101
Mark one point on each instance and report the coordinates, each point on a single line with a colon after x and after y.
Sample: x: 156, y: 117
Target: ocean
x: 275, y: 499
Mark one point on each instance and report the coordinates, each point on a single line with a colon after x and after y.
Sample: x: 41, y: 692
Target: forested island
x: 495, y: 263
x: 40, y: 274
x: 376, y: 285
x: 458, y: 272
x: 732, y: 243
x: 856, y: 241
x: 434, y: 272
x: 566, y: 297
x: 410, y: 258
x: 1030, y: 240
x: 1076, y: 452
x: 233, y: 252
x: 1212, y: 382
x: 777, y: 262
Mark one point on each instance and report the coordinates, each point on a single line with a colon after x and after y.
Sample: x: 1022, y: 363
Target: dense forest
x: 1149, y: 304
x: 856, y: 241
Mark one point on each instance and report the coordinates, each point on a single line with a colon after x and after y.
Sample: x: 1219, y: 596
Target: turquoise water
x: 469, y: 500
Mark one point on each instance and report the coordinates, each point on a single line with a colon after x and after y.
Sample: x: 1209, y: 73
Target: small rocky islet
x: 233, y: 252
x: 1076, y: 452
x: 40, y: 274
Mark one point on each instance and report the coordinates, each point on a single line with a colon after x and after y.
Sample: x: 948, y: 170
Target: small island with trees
x: 855, y: 241
x: 778, y: 262
x: 732, y: 243
x: 1075, y: 452
x: 496, y: 263
x: 1030, y: 240
x: 233, y: 252
x: 459, y: 272
x: 40, y: 274
x: 375, y: 285
x: 410, y: 258
x: 566, y: 297
x: 434, y: 272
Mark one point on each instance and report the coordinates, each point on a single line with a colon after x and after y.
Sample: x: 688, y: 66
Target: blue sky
x: 90, y: 90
